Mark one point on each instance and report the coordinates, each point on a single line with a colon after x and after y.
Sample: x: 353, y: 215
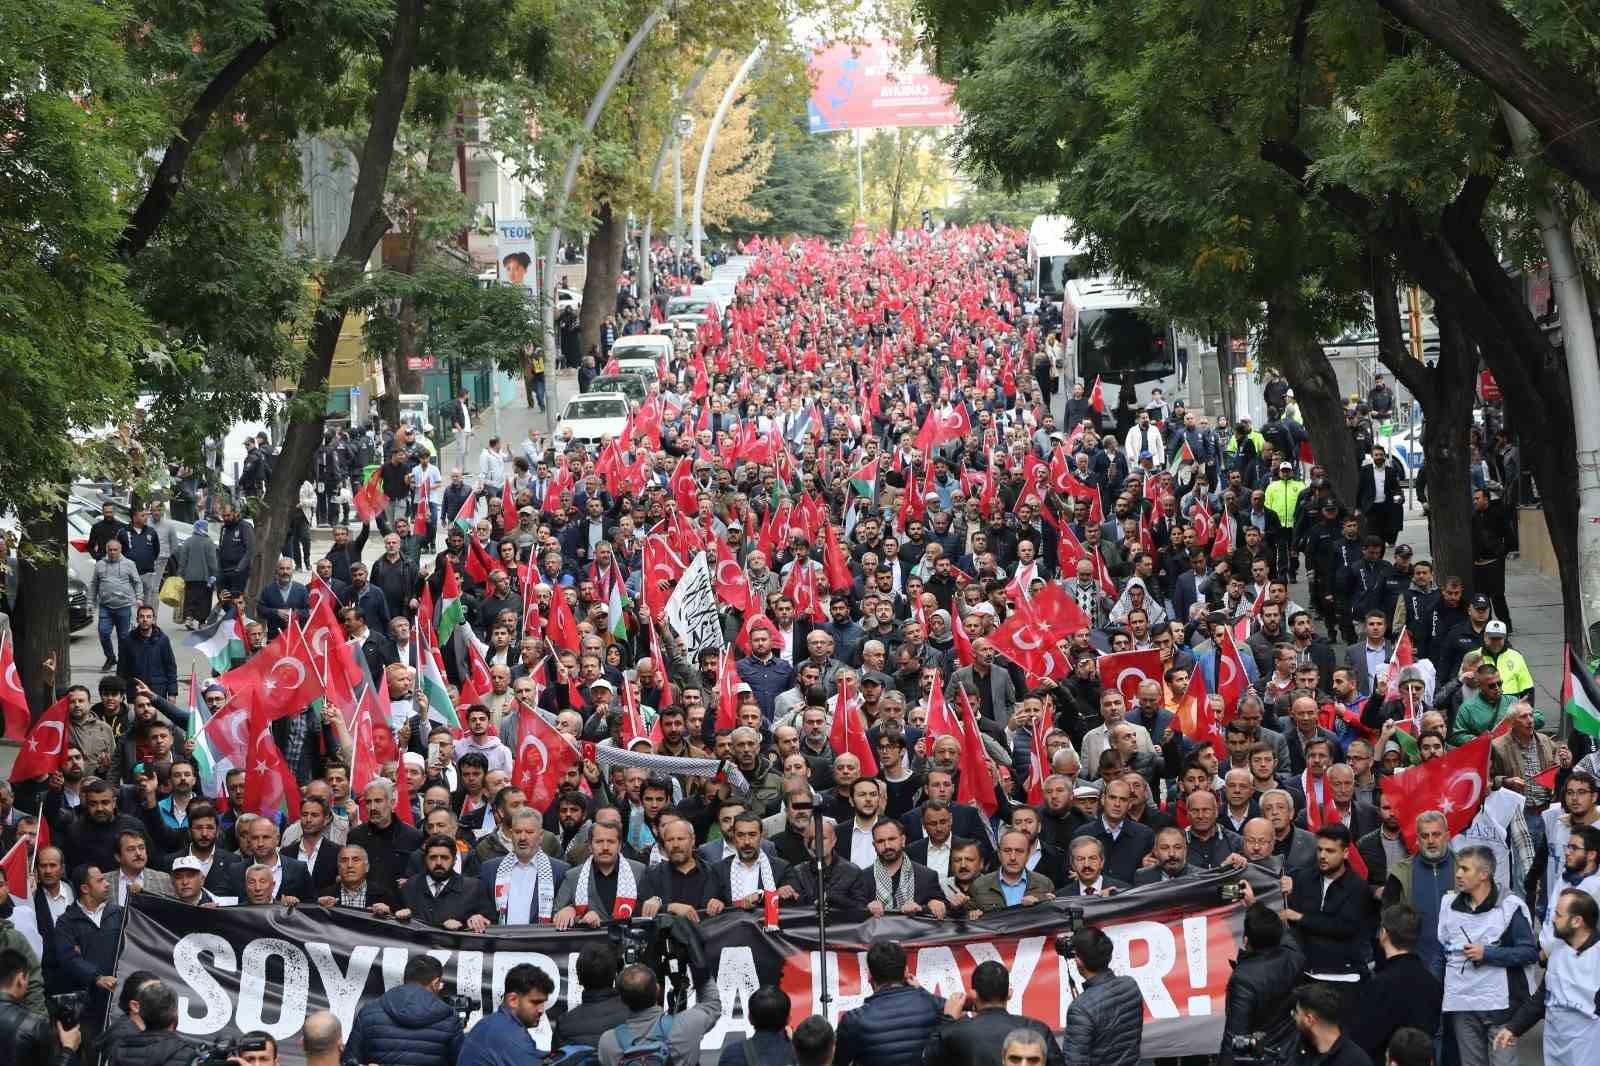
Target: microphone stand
x: 822, y: 910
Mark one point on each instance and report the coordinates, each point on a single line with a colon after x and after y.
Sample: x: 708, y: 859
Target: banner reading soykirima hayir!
x: 236, y: 969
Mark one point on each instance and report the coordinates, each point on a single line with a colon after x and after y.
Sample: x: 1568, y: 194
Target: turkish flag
x: 544, y: 755
x: 960, y: 640
x: 1052, y: 608
x: 1196, y: 719
x: 801, y: 587
x: 833, y: 560
x: 1032, y: 646
x: 940, y: 427
x: 369, y: 499
x: 1127, y: 670
x: 976, y: 785
x: 279, y: 680
x: 1454, y: 783
x: 476, y: 686
x: 849, y: 733
x: 13, y: 701
x: 942, y: 722
x: 732, y: 587
x: 1097, y: 399
x: 46, y: 748
x: 269, y: 784
x: 479, y: 564
x: 684, y: 491
x: 753, y: 621
x: 663, y: 566
x: 563, y: 629
x: 14, y: 869
x: 1040, y: 768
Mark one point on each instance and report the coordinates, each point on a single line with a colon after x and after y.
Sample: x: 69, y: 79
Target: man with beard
x: 897, y: 884
x: 90, y: 837
x: 1383, y: 846
x: 1060, y: 819
x: 1563, y: 1000
x: 443, y: 898
x: 1422, y: 880
x: 934, y: 848
x: 841, y: 879
x: 683, y: 884
x: 1317, y: 1011
x: 940, y: 784
x: 604, y: 887
x: 742, y: 879
x: 88, y: 939
x: 387, y: 840
x: 522, y: 885
x: 356, y: 889
x: 1331, y: 907
x: 674, y: 738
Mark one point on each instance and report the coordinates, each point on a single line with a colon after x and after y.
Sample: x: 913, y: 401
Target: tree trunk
x: 1488, y: 40
x: 1292, y: 349
x: 600, y: 276
x: 366, y: 228
x: 39, y: 618
x: 1446, y: 392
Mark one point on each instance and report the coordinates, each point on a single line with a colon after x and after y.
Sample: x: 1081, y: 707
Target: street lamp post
x: 569, y: 177
x: 671, y: 142
x: 711, y: 140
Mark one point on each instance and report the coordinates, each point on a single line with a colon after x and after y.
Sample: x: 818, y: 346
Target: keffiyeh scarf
x: 544, y: 888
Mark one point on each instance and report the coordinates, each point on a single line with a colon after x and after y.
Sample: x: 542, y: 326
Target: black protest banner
x: 238, y: 969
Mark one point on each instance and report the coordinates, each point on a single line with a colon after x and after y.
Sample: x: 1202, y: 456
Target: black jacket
x: 1105, y: 1022
x: 459, y: 899
x: 1260, y: 998
x: 26, y: 1039
x: 843, y: 880
x: 1126, y: 852
x: 1403, y: 992
x: 144, y: 1048
x: 1333, y: 928
x: 600, y: 1012
x: 406, y: 1026
x: 978, y: 1040
x: 1344, y: 1052
x: 890, y: 1029
x: 720, y: 883
x: 387, y: 849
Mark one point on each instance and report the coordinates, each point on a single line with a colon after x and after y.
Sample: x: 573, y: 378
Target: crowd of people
x: 919, y: 569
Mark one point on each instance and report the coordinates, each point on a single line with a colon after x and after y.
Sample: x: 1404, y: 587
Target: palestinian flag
x: 616, y: 620
x: 1179, y: 459
x: 204, y: 763
x: 222, y: 641
x: 467, y: 515
x: 430, y: 672
x: 451, y: 613
x: 1581, y: 697
x: 865, y: 480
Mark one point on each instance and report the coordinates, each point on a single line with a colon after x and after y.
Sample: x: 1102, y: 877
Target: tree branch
x: 168, y: 179
x: 1488, y: 40
x: 1391, y: 345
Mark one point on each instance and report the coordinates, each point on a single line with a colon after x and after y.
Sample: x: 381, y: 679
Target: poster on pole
x: 872, y: 85
x: 515, y: 253
x: 692, y: 609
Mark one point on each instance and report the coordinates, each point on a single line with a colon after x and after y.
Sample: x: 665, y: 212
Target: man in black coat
x: 602, y: 1009
x: 1383, y: 505
x: 86, y: 948
x: 444, y: 898
x: 258, y: 844
x: 1123, y: 841
x: 1333, y: 923
x: 1259, y: 997
x: 1403, y: 992
x: 388, y: 841
x: 979, y: 1039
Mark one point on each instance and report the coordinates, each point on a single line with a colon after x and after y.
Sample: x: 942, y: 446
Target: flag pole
x: 822, y: 910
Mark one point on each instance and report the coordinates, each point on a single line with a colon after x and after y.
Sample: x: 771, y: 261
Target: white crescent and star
x: 299, y: 672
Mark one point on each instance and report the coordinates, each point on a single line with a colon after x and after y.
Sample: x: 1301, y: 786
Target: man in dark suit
x: 1380, y: 495
x: 1367, y: 658
x: 88, y: 938
x: 376, y: 648
x: 968, y: 821
x: 444, y: 898
x: 258, y: 844
x: 1172, y: 859
x: 281, y: 597
x: 895, y: 884
x: 368, y: 599
x: 1359, y: 816
x: 1046, y: 859
x: 224, y: 869
x: 974, y: 1029
x: 1403, y: 992
x: 1088, y: 871
x: 1335, y: 921
x: 1191, y: 586
x: 1123, y: 841
x: 355, y: 889
x: 313, y: 850
x: 738, y: 880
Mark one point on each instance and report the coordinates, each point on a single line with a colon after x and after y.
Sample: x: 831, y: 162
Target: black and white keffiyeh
x: 544, y: 888
x: 894, y: 890
x: 672, y: 765
x: 627, y: 889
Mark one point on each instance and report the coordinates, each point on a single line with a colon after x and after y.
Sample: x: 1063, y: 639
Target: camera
x: 669, y: 946
x: 463, y: 1005
x: 1250, y: 1047
x: 66, y: 1008
x: 223, y: 1051
x: 1232, y: 891
x: 1075, y: 925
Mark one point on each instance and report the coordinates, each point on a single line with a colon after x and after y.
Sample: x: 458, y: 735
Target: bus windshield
x: 1121, y: 340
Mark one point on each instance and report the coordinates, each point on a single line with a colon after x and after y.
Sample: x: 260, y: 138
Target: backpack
x: 651, y: 1049
x: 572, y: 1055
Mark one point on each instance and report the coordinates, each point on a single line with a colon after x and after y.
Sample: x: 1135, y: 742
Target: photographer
x: 977, y: 1040
x: 678, y: 1036
x: 1261, y: 988
x: 1105, y: 1022
x: 894, y: 1023
x: 409, y: 1025
x: 503, y: 1038
x: 25, y: 1037
x: 158, y: 1043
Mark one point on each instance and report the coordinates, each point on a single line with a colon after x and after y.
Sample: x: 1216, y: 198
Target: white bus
x: 1111, y: 331
x: 1053, y: 258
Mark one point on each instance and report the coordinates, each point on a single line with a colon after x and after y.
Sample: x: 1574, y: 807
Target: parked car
x: 591, y: 416
x: 628, y: 384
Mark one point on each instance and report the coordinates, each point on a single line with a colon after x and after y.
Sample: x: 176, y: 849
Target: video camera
x: 670, y: 946
x: 1075, y: 925
x: 223, y: 1052
x: 66, y: 1008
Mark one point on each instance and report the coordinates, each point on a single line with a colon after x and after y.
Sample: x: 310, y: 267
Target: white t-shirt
x: 427, y: 481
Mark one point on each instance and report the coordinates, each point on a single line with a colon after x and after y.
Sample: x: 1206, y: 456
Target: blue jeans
x: 120, y: 618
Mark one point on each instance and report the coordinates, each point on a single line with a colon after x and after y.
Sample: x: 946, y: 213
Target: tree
x: 69, y: 332
x: 989, y: 203
x: 905, y: 171
x: 741, y: 157
x: 805, y: 191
